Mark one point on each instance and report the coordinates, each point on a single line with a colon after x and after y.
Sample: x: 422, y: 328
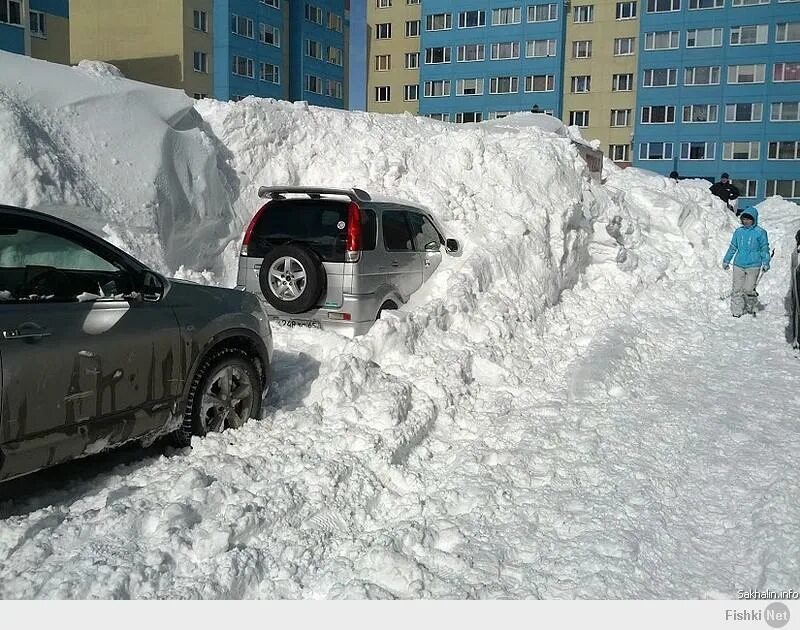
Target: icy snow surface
x: 568, y: 410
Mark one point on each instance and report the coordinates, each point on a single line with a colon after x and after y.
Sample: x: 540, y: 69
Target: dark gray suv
x: 97, y: 350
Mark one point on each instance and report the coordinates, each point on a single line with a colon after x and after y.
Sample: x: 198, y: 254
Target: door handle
x: 26, y: 331
x: 395, y: 263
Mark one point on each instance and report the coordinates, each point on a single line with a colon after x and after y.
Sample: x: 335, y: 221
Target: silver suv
x: 335, y: 259
x: 97, y: 350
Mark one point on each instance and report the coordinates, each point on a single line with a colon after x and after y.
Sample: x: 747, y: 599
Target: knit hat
x: 724, y: 176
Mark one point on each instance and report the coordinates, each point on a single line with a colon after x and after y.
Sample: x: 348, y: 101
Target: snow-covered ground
x: 568, y: 410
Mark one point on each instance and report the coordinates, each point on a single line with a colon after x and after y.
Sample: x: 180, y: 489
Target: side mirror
x: 432, y: 247
x: 452, y: 246
x: 152, y: 287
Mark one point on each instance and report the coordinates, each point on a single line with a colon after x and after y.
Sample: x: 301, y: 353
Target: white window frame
x: 711, y: 113
x: 509, y: 50
x: 479, y: 49
x: 276, y: 72
x: 787, y: 32
x: 774, y: 147
x: 781, y: 68
x: 616, y: 80
x: 313, y: 49
x: 444, y: 117
x: 756, y: 112
x: 429, y: 88
x: 509, y: 82
x: 432, y: 54
x: 20, y: 13
x: 583, y: 11
x: 709, y: 149
x: 748, y: 187
x: 759, y: 73
x: 480, y: 14
x: 578, y: 80
x: 675, y: 5
x: 411, y: 92
x: 249, y: 67
x: 383, y: 93
x: 690, y: 75
x: 474, y: 117
x: 534, y: 9
x: 249, y: 26
x: 748, y: 3
x: 620, y: 14
x: 504, y: 16
x: 666, y: 151
x: 652, y: 38
x: 646, y: 114
x: 335, y: 56
x: 202, y: 57
x: 629, y: 47
x: 40, y: 19
x: 582, y: 49
x: 715, y: 4
x: 475, y: 89
x: 532, y: 44
x: 626, y: 152
x: 383, y: 63
x: 779, y: 107
x: 761, y: 33
x: 413, y: 28
x: 753, y: 150
x: 383, y: 30
x: 439, y: 22
x: 621, y: 118
x: 672, y: 77
x: 579, y: 118
x: 263, y: 29
x: 383, y: 4
x: 275, y: 4
x: 773, y: 185
x: 693, y: 33
x: 411, y: 61
x: 549, y: 81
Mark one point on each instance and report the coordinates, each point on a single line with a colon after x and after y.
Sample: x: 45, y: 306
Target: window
x: 540, y: 83
x: 335, y: 56
x: 700, y: 113
x: 313, y: 14
x: 583, y: 13
x: 270, y: 73
x: 412, y: 2
x: 786, y: 111
x: 506, y: 16
x: 660, y: 77
x: 333, y: 88
x: 655, y: 151
x: 748, y: 3
x: 383, y: 63
x: 747, y: 187
x: 784, y: 150
x: 383, y: 4
x: 786, y: 72
x: 471, y: 52
x: 437, y: 88
x: 697, y: 150
x: 440, y: 54
x: 412, y: 28
x: 705, y: 4
x: 582, y: 49
x: 542, y: 13
x: 620, y: 118
x: 746, y: 35
x: 787, y: 188
x: 411, y: 92
x: 740, y: 151
x: 396, y: 232
x: 439, y: 22
x: 275, y: 4
x: 383, y: 94
x: 787, y: 32
x: 624, y: 46
x: 540, y: 48
x: 658, y: 114
x: 314, y: 49
x: 743, y: 112
x: 505, y: 50
x: 663, y: 6
x: 469, y: 87
x: 469, y: 117
x: 620, y: 152
x: 335, y: 22
x: 412, y: 61
x: 200, y: 61
x: 199, y: 21
x: 581, y: 84
x: 702, y: 75
x: 471, y: 19
x: 198, y: 96
x: 626, y: 11
x: 662, y: 40
x: 241, y: 25
x: 703, y: 37
x: 750, y: 73
x: 270, y: 35
x: 622, y: 83
x: 11, y: 12
x: 243, y: 66
x: 497, y: 115
x: 424, y: 231
x: 383, y: 31
x: 441, y: 117
x: 579, y: 118
x: 503, y: 85
x: 39, y: 24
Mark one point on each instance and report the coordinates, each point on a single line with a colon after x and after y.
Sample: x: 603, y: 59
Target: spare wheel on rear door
x: 291, y: 278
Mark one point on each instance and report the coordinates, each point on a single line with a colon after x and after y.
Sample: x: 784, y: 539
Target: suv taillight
x: 353, y: 247
x: 248, y: 233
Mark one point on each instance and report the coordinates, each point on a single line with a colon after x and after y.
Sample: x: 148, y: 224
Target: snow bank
x: 551, y: 416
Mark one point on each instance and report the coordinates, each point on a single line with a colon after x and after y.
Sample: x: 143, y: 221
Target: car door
x: 402, y: 263
x: 428, y: 242
x: 85, y: 361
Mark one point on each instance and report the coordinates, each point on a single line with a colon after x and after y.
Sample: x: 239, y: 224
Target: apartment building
x: 719, y: 90
x: 38, y: 28
x: 488, y: 58
x: 227, y: 49
x: 393, y: 37
x: 599, y: 73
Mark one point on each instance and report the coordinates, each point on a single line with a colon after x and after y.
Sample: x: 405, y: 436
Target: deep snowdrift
x: 557, y: 414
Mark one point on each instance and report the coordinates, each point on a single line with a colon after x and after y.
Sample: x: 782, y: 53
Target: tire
x: 208, y: 406
x: 291, y: 278
x: 386, y: 306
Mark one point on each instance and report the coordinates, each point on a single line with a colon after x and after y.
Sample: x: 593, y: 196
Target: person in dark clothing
x: 674, y: 176
x: 726, y: 191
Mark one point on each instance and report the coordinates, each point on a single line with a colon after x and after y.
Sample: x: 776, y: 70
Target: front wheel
x: 225, y: 393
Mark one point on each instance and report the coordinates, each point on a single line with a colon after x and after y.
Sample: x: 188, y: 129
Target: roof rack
x: 277, y: 192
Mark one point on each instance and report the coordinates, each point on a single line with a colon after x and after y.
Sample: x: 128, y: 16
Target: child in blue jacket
x: 749, y: 251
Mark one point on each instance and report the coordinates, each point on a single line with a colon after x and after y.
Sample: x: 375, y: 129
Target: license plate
x: 299, y: 323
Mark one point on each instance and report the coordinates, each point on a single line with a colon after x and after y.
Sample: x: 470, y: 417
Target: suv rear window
x: 319, y: 224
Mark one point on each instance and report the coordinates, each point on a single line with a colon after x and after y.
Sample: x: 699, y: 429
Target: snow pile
x: 553, y: 415
x: 101, y: 148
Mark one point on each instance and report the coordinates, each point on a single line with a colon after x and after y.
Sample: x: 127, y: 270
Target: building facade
x: 719, y: 90
x: 393, y: 38
x: 227, y: 49
x: 38, y: 28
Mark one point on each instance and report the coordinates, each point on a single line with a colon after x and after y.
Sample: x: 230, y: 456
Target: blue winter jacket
x: 749, y: 246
